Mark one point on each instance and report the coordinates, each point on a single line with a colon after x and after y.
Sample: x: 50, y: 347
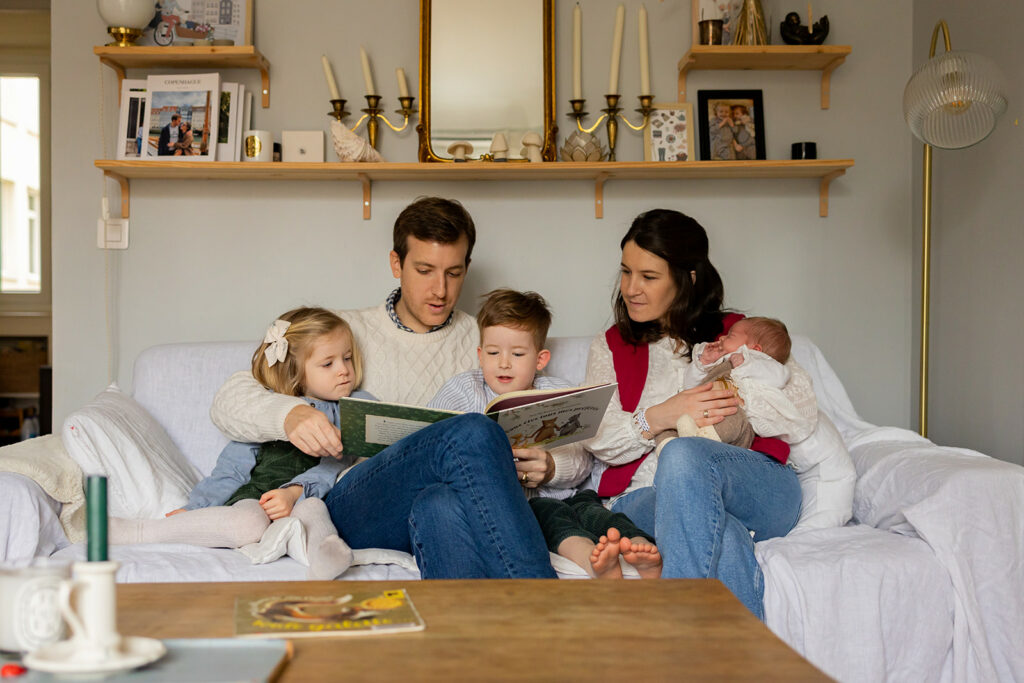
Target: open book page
x: 551, y: 418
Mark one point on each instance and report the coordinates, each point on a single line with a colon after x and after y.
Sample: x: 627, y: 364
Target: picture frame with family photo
x: 183, y: 22
x: 182, y: 117
x: 731, y: 125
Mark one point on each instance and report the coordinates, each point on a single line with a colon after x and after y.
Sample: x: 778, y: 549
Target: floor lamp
x: 952, y: 101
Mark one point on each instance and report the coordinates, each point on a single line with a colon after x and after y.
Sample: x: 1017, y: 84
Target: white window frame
x: 32, y: 62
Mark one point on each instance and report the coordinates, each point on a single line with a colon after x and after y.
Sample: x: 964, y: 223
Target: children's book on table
x: 345, y: 614
x: 543, y: 418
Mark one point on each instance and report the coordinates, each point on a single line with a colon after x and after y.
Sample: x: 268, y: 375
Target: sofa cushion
x: 147, y: 475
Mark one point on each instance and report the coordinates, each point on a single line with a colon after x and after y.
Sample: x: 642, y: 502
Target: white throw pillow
x: 827, y: 477
x: 147, y: 476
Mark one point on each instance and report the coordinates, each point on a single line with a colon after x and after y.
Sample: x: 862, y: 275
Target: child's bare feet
x: 605, y: 557
x: 642, y: 555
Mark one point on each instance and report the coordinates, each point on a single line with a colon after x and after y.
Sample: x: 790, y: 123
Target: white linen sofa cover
x: 910, y: 590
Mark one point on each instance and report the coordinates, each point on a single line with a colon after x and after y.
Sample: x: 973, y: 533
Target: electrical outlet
x: 112, y: 233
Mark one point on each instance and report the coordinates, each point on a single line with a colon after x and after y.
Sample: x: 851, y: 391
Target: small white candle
x: 613, y: 77
x: 329, y: 75
x: 645, y: 61
x: 577, y: 53
x: 367, y: 76
x: 403, y: 87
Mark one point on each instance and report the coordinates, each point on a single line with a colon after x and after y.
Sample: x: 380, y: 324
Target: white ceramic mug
x: 30, y: 614
x: 258, y: 145
x: 89, y: 604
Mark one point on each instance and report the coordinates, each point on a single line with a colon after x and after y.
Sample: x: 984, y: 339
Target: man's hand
x: 312, y: 433
x: 278, y: 503
x: 534, y: 466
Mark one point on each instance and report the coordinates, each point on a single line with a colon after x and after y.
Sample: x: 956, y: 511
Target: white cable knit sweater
x: 398, y: 366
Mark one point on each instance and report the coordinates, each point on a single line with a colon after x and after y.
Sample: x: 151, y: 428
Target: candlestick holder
x: 373, y: 114
x: 337, y: 110
x: 611, y: 118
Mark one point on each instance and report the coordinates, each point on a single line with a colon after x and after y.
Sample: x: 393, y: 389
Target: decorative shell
x: 351, y: 147
x: 580, y: 146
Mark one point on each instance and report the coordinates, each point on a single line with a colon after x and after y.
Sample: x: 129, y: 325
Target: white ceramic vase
x: 126, y: 13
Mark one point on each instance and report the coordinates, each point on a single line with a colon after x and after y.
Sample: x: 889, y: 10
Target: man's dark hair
x: 175, y: 116
x: 433, y: 219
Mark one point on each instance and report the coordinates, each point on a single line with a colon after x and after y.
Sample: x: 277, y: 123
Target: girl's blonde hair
x: 307, y: 325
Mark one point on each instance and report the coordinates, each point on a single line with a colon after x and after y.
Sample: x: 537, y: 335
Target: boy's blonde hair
x: 521, y: 310
x: 772, y: 335
x: 307, y: 325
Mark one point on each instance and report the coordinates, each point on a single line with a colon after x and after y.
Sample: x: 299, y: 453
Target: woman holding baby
x: 706, y: 501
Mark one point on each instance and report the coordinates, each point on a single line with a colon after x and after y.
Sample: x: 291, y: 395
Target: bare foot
x: 605, y: 558
x: 642, y: 555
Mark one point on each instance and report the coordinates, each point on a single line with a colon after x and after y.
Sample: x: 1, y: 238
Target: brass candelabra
x: 373, y: 114
x: 611, y: 117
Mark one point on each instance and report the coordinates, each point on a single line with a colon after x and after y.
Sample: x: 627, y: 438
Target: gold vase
x: 750, y: 25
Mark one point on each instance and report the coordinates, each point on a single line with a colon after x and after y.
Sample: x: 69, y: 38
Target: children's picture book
x: 230, y: 111
x: 133, y: 115
x: 182, y: 117
x: 533, y: 418
x: 348, y: 614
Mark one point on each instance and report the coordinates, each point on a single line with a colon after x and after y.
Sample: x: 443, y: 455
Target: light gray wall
x: 218, y: 260
x: 976, y: 398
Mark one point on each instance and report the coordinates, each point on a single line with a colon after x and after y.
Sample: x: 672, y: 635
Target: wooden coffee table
x: 503, y: 630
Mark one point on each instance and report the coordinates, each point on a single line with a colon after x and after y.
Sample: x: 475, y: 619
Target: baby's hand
x: 736, y: 359
x: 278, y: 503
x: 711, y: 353
x: 174, y: 512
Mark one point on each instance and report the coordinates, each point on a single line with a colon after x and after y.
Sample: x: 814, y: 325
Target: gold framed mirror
x: 486, y: 66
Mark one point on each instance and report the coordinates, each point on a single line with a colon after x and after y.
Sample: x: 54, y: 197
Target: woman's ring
x: 525, y: 478
x: 705, y: 414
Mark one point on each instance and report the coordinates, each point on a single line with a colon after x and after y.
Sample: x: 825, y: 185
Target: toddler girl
x: 306, y: 352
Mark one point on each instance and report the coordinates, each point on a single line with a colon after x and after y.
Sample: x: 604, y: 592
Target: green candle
x: 96, y: 517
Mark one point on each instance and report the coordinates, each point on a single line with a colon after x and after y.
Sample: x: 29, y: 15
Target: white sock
x: 329, y: 556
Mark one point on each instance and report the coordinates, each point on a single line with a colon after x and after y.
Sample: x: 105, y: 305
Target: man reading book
x: 413, y: 341
x: 513, y: 331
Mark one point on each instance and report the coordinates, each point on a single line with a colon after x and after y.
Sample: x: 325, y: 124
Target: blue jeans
x: 448, y: 494
x: 706, y: 499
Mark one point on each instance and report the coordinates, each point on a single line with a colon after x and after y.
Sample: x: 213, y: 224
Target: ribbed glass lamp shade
x: 953, y: 100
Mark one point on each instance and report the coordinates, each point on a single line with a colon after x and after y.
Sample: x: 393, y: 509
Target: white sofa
x: 925, y: 584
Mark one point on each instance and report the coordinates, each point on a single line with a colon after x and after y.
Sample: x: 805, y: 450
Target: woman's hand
x: 705, y: 405
x: 312, y: 433
x: 534, y: 466
x: 278, y: 503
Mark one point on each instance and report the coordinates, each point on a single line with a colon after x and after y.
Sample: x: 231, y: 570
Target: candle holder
x: 338, y: 110
x: 373, y: 114
x: 611, y: 117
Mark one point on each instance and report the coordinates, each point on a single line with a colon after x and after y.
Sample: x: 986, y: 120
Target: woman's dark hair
x: 696, y: 313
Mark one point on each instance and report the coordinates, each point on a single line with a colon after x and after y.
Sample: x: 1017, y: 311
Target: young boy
x: 513, y: 330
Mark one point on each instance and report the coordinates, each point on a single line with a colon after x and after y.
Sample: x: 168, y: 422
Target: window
x: 20, y: 157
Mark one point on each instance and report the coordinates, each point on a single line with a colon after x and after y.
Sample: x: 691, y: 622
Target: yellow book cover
x: 349, y: 614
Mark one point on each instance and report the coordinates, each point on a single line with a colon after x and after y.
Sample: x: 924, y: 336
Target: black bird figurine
x: 795, y: 33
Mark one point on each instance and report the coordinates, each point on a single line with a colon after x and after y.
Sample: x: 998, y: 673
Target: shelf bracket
x: 365, y: 180
x: 826, y: 81
x: 826, y: 180
x: 265, y: 78
x: 599, y: 194
x: 126, y: 192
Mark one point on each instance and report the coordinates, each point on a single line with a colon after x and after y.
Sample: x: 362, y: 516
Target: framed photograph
x: 669, y: 133
x: 182, y: 117
x: 133, y: 116
x: 180, y: 22
x: 731, y: 125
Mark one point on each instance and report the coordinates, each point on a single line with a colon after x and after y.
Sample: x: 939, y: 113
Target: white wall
x: 217, y: 260
x: 976, y: 397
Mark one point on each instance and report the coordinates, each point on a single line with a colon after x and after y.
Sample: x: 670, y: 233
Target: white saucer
x: 59, y: 657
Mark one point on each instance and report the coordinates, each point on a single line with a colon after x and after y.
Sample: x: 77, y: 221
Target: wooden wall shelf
x: 824, y: 170
x: 191, y: 57
x: 824, y: 58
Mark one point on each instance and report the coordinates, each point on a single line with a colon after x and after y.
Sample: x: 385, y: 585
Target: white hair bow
x: 277, y: 345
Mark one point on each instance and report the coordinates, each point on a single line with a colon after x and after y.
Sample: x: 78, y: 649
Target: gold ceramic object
x: 123, y: 36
